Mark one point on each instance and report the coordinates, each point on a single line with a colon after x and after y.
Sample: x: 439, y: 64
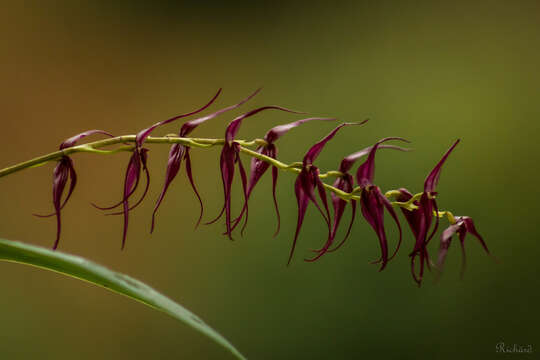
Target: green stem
x: 94, y: 147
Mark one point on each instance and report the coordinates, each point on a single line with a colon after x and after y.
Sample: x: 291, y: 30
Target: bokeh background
x: 428, y: 71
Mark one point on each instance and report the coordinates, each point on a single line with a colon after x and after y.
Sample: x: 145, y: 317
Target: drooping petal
x: 366, y: 172
x: 274, y: 183
x: 192, y: 182
x: 345, y: 184
x: 446, y: 239
x: 143, y: 134
x: 176, y: 154
x: 227, y: 159
x: 302, y: 201
x: 133, y: 172
x: 278, y: 131
x: 373, y: 211
x: 433, y: 178
x: 189, y: 126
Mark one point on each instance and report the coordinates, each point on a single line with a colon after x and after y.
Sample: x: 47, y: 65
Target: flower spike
x: 179, y: 152
x: 63, y: 172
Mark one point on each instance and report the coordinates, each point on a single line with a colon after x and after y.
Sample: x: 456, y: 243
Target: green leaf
x: 80, y: 268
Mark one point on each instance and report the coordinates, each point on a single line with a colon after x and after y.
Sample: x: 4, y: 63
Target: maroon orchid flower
x: 138, y: 162
x: 179, y: 152
x: 420, y: 219
x: 345, y: 183
x: 373, y: 203
x: 230, y: 155
x: 63, y: 172
x: 308, y: 180
x: 259, y: 167
x: 463, y: 225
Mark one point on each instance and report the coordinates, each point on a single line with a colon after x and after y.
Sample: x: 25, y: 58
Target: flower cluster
x: 420, y: 210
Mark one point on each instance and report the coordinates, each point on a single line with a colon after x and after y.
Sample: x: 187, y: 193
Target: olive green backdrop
x: 431, y: 72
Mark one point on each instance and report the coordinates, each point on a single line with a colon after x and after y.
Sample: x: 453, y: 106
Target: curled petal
x: 72, y: 140
x: 276, y: 132
x: 234, y: 125
x: 348, y: 162
x: 143, y: 134
x: 316, y: 149
x: 189, y: 126
x: 366, y: 171
x: 433, y: 178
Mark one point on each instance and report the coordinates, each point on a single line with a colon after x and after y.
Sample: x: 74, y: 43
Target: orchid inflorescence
x: 420, y: 210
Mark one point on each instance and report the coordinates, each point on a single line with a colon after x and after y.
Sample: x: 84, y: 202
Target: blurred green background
x: 431, y: 72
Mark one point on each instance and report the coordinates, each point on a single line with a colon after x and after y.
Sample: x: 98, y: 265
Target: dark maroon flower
x: 345, y: 183
x: 463, y: 225
x: 63, y: 172
x: 137, y: 162
x: 179, y: 152
x: 308, y: 180
x: 373, y: 203
x: 230, y: 155
x: 420, y: 219
x: 259, y: 167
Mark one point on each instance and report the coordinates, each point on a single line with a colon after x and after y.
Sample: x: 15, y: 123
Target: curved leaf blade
x: 82, y: 269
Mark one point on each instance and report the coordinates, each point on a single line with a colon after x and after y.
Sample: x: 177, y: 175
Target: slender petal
x: 302, y: 201
x: 316, y: 149
x: 189, y: 126
x: 234, y: 125
x: 142, y: 135
x: 192, y: 182
x: 72, y: 140
x: 433, y: 177
x: 278, y: 131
